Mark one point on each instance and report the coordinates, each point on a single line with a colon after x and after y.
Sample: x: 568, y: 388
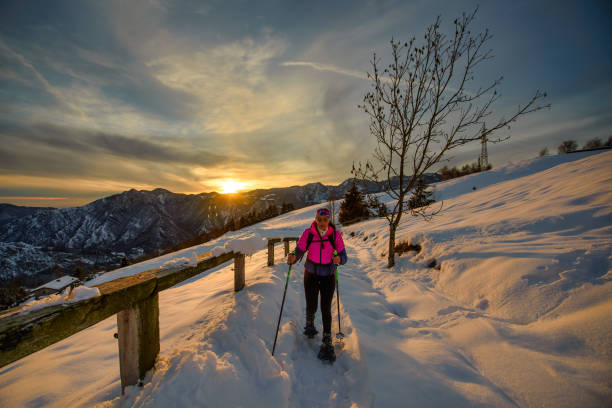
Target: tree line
x: 447, y: 173
x: 569, y: 146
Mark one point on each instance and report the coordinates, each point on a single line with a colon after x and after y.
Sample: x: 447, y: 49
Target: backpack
x: 331, y: 238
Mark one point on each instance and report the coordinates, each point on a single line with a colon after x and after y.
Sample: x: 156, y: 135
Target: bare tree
x: 567, y: 147
x: 593, y: 144
x: 420, y: 109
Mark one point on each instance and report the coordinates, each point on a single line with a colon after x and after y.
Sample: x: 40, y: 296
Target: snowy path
x: 397, y: 349
x: 315, y: 384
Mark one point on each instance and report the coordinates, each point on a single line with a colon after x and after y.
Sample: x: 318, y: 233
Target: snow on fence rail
x: 133, y: 298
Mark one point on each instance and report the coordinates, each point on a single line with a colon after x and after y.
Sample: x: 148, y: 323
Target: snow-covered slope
x: 515, y: 312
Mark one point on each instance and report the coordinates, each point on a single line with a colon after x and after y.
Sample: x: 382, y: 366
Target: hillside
x: 515, y: 311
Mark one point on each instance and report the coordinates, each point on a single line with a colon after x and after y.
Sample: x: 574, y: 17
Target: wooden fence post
x: 138, y: 333
x: 239, y: 272
x: 271, y: 242
x: 286, y: 241
x: 270, y: 252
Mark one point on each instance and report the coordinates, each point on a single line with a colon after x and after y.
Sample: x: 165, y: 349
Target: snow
x: 515, y: 312
x: 182, y: 261
x: 22, y: 254
x: 57, y: 284
x: 243, y: 242
x: 247, y: 246
x: 65, y: 297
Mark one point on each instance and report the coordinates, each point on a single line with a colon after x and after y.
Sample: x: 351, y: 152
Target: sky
x: 98, y: 97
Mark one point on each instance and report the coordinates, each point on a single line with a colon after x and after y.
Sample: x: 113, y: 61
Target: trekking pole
x: 282, y: 305
x: 339, y: 335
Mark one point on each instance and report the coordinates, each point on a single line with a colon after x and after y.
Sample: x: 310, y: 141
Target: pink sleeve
x: 339, y: 242
x: 301, y: 245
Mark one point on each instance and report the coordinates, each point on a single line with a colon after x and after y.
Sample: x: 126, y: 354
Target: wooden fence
x: 273, y: 241
x: 133, y: 298
x: 135, y: 301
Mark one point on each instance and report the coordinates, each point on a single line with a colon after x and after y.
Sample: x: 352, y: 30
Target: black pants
x: 313, y: 284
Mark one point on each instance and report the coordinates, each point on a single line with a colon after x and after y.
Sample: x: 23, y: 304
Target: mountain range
x: 36, y: 241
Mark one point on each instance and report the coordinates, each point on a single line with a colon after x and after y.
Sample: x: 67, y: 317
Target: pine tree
x: 57, y: 271
x: 11, y: 292
x: 378, y: 208
x: 421, y: 197
x: 354, y: 207
x: 286, y: 207
x: 81, y: 273
x: 382, y: 210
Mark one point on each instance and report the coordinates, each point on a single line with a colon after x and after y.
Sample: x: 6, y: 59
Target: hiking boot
x: 309, y: 329
x: 326, y: 352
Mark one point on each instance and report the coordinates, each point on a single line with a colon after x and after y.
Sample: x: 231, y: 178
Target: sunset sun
x: 231, y: 186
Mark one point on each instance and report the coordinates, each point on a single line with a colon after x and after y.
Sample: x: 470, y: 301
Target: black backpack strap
x: 332, y: 239
x: 310, y: 238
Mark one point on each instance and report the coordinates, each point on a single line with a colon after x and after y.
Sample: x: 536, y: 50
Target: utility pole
x: 483, y: 160
x: 332, y: 204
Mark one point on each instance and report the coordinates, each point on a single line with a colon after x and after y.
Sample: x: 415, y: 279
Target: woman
x: 321, y: 241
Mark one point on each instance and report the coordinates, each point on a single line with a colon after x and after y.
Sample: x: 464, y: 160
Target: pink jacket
x: 320, y: 250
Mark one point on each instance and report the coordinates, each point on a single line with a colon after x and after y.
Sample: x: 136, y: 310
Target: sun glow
x: 231, y: 186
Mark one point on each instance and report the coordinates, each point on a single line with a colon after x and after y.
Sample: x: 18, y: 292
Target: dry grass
x: 402, y: 247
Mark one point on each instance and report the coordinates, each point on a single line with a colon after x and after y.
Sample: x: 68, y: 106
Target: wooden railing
x: 135, y: 301
x: 273, y: 241
x: 133, y: 298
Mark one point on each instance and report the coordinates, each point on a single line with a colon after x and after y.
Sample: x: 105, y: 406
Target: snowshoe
x: 310, y: 331
x: 326, y: 352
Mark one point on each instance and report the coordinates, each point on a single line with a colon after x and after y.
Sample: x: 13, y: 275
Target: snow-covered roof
x: 57, y: 284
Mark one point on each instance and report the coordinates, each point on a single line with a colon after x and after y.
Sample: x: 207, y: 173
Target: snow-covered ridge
x: 514, y: 311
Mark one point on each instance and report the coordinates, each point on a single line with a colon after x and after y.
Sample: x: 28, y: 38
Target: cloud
x: 50, y: 89
x: 231, y: 82
x: 32, y: 198
x: 326, y: 67
x: 110, y: 100
x: 93, y: 143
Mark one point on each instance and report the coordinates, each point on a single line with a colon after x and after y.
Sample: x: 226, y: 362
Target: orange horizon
x: 32, y: 198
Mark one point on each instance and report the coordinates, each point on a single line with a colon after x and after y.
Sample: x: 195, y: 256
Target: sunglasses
x: 323, y: 212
